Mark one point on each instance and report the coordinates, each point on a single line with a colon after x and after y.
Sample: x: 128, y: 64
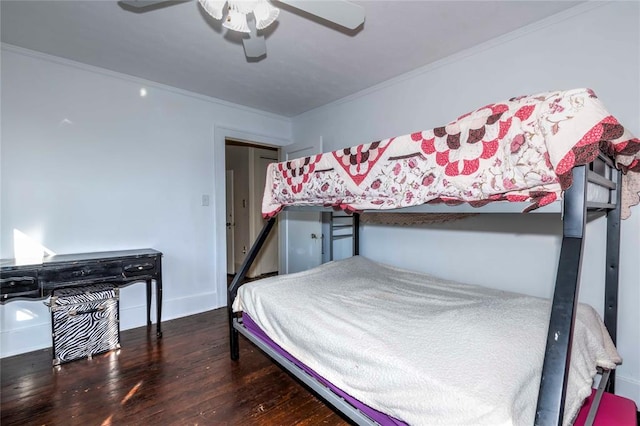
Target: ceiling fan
x: 261, y: 14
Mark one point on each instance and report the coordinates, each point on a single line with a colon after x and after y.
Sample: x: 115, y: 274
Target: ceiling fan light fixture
x: 243, y: 6
x: 265, y: 14
x: 213, y: 7
x: 236, y: 21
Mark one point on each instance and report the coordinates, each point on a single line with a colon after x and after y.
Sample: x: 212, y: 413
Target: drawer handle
x: 89, y: 311
x: 139, y: 267
x: 14, y: 281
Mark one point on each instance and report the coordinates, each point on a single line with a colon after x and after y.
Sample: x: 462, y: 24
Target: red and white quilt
x: 522, y: 149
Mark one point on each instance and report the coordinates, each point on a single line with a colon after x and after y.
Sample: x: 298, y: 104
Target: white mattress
x: 421, y: 349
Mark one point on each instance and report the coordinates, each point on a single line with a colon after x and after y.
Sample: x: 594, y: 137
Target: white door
x: 230, y: 224
x: 302, y: 230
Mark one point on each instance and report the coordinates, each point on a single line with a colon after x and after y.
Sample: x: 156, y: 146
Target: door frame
x: 220, y: 134
x: 230, y: 222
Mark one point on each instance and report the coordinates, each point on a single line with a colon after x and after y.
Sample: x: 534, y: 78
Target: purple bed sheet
x: 377, y: 416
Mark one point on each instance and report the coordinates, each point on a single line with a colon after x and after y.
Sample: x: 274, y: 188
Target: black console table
x: 39, y: 279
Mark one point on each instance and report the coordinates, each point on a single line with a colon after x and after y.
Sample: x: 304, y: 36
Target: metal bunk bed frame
x: 575, y: 210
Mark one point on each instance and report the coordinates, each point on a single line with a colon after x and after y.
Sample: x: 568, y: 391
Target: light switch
x: 205, y: 200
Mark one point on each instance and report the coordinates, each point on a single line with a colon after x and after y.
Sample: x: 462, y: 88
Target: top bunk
x: 512, y: 156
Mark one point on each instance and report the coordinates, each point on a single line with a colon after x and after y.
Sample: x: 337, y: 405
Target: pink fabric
x: 613, y: 410
x: 522, y: 149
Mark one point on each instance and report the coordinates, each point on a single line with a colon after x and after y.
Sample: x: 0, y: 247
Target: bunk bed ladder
x: 612, y: 270
x: 238, y: 279
x: 338, y: 224
x: 555, y: 369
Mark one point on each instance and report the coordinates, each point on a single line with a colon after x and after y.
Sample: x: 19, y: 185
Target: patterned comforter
x: 522, y: 149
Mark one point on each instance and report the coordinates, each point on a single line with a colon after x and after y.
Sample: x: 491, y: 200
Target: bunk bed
x: 555, y: 152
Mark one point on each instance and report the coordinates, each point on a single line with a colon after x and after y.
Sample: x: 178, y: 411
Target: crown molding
x: 137, y: 80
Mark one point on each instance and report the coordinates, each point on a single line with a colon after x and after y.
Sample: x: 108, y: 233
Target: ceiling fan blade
x: 341, y: 12
x: 141, y: 3
x: 144, y: 5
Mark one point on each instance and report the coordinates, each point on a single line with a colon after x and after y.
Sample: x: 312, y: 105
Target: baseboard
x: 38, y: 336
x: 628, y: 388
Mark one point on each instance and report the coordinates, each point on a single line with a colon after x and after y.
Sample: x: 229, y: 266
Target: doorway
x: 246, y: 164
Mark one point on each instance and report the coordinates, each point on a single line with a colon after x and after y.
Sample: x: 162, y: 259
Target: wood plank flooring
x: 185, y: 378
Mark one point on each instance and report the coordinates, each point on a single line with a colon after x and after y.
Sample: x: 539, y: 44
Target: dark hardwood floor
x: 185, y: 378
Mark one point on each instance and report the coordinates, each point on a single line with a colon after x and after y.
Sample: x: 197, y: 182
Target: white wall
x: 595, y: 46
x: 87, y: 164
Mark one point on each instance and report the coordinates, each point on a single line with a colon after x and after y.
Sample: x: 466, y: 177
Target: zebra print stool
x: 84, y: 321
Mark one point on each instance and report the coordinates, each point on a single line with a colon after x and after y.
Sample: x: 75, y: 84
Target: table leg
x: 148, y: 303
x: 159, y: 298
x: 159, y: 307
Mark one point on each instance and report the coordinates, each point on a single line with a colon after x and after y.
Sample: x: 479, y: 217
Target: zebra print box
x: 84, y: 322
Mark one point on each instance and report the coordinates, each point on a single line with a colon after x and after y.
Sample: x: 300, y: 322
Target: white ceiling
x: 308, y: 64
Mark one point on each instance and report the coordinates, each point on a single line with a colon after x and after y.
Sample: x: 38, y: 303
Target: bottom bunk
x: 418, y: 349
